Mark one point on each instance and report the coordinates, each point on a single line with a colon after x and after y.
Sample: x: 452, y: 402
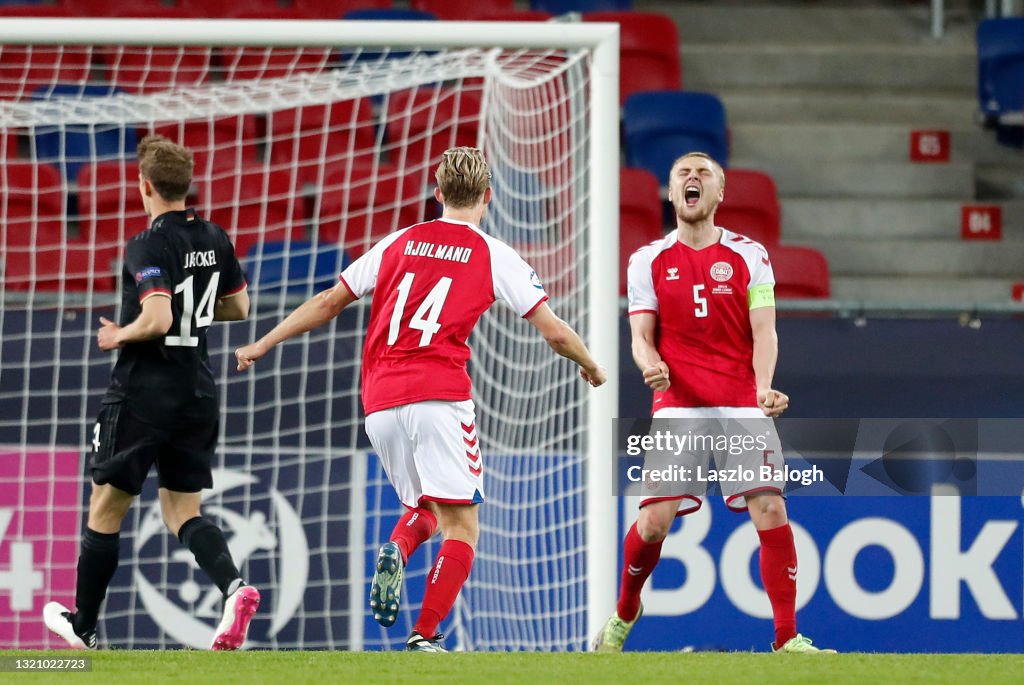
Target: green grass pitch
x: 298, y: 668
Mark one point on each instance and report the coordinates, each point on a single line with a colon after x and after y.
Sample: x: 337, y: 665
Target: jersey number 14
x: 203, y: 313
x: 427, y: 314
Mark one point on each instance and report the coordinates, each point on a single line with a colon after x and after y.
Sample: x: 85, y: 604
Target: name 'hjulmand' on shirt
x: 449, y: 253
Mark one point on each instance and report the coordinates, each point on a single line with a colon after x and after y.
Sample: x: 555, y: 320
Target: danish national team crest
x: 721, y: 271
x: 185, y: 605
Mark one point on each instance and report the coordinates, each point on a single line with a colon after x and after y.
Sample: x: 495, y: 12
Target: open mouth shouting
x: 691, y: 195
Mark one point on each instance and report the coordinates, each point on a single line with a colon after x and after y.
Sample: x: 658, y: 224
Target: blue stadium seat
x: 1001, y: 67
x: 267, y: 269
x: 382, y: 15
x: 563, y: 6
x: 661, y: 125
x: 70, y: 147
x: 395, y: 14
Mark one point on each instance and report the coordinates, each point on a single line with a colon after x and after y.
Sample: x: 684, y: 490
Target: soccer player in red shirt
x: 702, y: 315
x: 431, y: 283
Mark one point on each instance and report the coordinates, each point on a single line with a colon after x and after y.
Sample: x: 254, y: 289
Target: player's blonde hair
x: 719, y: 171
x: 463, y: 176
x: 167, y: 165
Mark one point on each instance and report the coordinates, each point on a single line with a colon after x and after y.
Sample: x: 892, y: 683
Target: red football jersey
x: 703, y: 300
x: 431, y: 283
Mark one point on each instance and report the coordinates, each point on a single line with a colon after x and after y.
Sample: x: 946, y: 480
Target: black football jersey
x: 192, y: 261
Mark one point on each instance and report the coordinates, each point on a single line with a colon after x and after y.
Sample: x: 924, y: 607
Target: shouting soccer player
x: 179, y: 276
x: 702, y: 315
x: 431, y: 282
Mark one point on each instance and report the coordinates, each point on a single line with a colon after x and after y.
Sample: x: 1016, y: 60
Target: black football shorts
x: 124, y: 448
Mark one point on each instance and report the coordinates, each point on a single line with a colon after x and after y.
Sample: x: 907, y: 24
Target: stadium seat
x: 430, y: 120
x: 73, y: 145
x: 346, y: 216
x: 1001, y: 66
x: 218, y: 9
x: 31, y: 235
x: 334, y: 9
x: 639, y: 215
x: 518, y: 15
x: 32, y: 10
x: 109, y: 207
x: 148, y: 69
x: 661, y: 125
x: 224, y: 143
x: 456, y: 10
x: 108, y: 8
x: 242, y: 63
x: 25, y: 70
x: 388, y: 14
x: 648, y: 51
x: 751, y: 206
x: 267, y: 270
x: 256, y: 203
x: 563, y: 6
x: 800, y: 272
x: 320, y: 140
x: 8, y: 144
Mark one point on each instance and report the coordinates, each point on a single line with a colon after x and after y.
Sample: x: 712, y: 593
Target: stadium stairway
x: 823, y: 95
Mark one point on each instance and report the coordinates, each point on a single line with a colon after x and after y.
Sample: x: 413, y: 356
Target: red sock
x: 412, y: 530
x: 638, y: 561
x: 443, y: 584
x: 778, y: 574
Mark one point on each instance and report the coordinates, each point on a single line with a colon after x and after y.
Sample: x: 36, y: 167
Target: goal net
x: 306, y: 156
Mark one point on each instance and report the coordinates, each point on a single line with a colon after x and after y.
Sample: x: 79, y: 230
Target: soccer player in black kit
x: 180, y: 275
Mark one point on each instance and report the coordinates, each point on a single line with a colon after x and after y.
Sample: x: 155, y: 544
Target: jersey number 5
x: 701, y: 310
x: 427, y: 314
x: 203, y: 313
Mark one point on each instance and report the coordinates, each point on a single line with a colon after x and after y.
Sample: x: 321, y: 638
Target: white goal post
x: 600, y: 162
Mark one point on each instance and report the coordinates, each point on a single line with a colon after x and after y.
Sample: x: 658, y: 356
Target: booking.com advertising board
x: 889, y: 574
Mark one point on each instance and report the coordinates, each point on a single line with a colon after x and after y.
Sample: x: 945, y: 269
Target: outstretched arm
x: 565, y: 341
x: 311, y: 314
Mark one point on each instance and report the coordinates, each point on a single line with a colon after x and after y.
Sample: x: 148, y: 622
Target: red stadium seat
x: 250, y: 62
x: 256, y: 203
x: 109, y: 8
x: 800, y: 272
x: 8, y: 145
x: 30, y: 11
x: 649, y: 51
x: 334, y: 9
x: 33, y: 230
x: 751, y: 206
x: 219, y: 9
x: 24, y: 69
x: 149, y: 69
x: 109, y: 207
x: 458, y: 10
x: 640, y: 219
x: 518, y: 15
x: 225, y: 143
x: 360, y: 205
x: 322, y: 137
x: 429, y: 121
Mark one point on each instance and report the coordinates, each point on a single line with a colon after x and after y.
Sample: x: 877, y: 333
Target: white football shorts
x: 430, y: 451
x: 719, y: 420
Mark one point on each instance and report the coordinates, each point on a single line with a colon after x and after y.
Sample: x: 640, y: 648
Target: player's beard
x: 698, y: 213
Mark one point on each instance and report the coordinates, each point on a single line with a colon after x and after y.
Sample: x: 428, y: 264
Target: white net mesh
x: 306, y: 157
